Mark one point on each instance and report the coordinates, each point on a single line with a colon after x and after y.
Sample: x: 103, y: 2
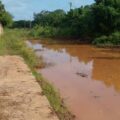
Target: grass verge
x: 12, y: 43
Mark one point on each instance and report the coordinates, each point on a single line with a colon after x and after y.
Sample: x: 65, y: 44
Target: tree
x: 47, y: 18
x: 100, y: 18
x: 106, y: 15
x: 5, y: 17
x: 22, y: 24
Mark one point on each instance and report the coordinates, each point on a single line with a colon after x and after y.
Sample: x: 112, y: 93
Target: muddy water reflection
x: 87, y: 78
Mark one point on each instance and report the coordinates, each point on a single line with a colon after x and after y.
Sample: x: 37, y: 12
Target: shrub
x: 113, y: 39
x: 116, y: 38
x: 47, y: 31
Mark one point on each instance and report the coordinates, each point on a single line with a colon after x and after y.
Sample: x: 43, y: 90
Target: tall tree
x: 5, y: 17
x: 106, y: 15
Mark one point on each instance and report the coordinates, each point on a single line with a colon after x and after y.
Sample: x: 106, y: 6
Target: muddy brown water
x: 88, y: 78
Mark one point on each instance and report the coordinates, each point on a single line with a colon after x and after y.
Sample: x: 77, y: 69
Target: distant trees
x: 100, y: 18
x: 22, y: 24
x: 47, y: 18
x: 77, y: 22
x: 5, y: 17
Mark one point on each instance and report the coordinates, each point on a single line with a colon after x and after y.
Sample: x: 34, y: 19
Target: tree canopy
x: 5, y: 17
x: 102, y: 17
x: 53, y: 18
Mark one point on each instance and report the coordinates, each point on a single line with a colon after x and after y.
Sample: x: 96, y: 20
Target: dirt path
x: 20, y: 95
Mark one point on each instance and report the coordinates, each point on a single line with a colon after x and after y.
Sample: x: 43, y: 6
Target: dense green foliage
x: 22, y: 24
x: 99, y: 19
x: 46, y: 31
x: 5, y: 17
x: 113, y: 39
x: 106, y: 16
x: 47, y: 18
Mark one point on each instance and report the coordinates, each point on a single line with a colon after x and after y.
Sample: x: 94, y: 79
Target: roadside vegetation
x: 13, y: 43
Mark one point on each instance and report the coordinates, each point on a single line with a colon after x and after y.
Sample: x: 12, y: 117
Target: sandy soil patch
x: 20, y: 95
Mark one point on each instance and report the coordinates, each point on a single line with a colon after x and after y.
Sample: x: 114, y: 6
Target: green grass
x: 54, y: 98
x: 13, y: 43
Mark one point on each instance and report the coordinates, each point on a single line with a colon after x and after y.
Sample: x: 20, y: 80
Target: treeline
x: 5, y: 17
x: 99, y: 21
x: 22, y: 24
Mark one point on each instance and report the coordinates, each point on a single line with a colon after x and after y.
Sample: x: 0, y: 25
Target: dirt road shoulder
x: 20, y: 95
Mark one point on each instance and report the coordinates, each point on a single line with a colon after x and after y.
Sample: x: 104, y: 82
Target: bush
x: 113, y: 39
x: 47, y: 31
x: 116, y: 38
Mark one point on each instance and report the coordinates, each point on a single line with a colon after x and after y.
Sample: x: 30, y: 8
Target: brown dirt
x: 20, y: 95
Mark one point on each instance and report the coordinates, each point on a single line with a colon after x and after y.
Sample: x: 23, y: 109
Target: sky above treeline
x: 24, y: 9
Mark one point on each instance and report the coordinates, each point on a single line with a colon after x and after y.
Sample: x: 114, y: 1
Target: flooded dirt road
x: 88, y: 78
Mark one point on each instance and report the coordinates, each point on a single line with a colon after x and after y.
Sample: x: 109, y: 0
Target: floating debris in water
x: 82, y: 74
x: 96, y: 96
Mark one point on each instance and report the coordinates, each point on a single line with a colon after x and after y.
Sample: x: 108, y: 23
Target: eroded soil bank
x: 88, y: 78
x: 21, y: 97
